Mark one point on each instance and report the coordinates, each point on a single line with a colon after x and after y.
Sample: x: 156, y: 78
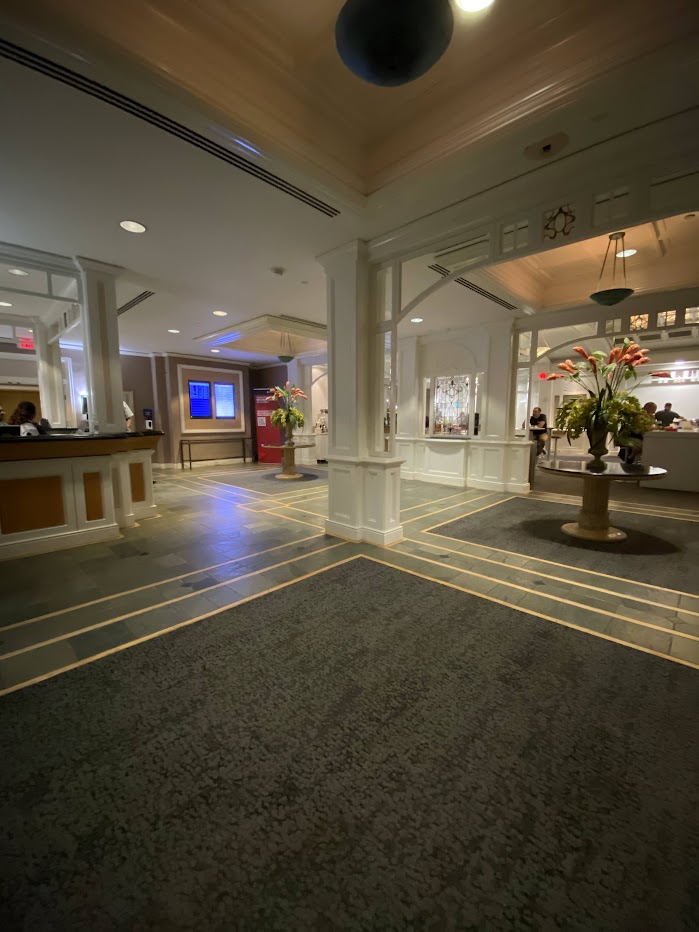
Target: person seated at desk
x: 538, y: 428
x: 24, y: 417
x: 667, y: 416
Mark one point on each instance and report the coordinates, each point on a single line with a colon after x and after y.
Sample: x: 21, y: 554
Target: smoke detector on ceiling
x: 547, y: 148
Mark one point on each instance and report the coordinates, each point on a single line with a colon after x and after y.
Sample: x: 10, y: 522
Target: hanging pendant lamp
x: 287, y: 357
x: 393, y: 42
x: 608, y: 297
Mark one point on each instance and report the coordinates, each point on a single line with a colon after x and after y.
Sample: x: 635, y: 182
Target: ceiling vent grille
x: 52, y: 70
x: 143, y: 296
x: 476, y: 288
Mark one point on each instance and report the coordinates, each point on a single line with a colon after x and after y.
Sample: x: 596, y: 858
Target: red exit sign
x: 26, y: 343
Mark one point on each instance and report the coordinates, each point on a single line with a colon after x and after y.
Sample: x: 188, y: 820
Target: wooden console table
x: 188, y: 441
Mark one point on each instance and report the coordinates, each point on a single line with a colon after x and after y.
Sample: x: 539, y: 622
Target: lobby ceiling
x: 269, y: 71
x: 665, y: 260
x: 262, y: 81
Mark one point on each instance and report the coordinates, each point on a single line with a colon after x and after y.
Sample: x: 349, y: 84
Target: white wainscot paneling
x: 445, y: 462
x: 344, y: 504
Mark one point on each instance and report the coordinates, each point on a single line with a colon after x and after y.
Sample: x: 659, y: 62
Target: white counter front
x: 479, y: 462
x: 676, y: 451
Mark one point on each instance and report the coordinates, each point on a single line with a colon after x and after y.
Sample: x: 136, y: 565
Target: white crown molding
x: 22, y: 257
x: 230, y: 362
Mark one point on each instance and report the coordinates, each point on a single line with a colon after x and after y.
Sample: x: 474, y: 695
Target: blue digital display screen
x: 200, y: 399
x: 224, y: 400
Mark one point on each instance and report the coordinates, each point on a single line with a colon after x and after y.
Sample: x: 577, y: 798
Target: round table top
x: 611, y: 470
x: 287, y: 446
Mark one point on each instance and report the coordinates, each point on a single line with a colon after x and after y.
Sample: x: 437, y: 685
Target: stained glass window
x: 691, y: 315
x: 666, y: 318
x: 639, y: 322
x: 451, y: 396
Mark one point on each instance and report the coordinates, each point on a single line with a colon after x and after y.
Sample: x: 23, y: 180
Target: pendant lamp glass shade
x: 286, y: 354
x: 611, y: 296
x: 393, y: 42
x: 608, y: 297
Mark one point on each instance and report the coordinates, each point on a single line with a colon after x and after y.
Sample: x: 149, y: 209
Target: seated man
x: 667, y: 415
x: 537, y: 426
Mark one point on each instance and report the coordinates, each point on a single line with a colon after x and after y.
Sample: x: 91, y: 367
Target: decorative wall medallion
x: 559, y: 222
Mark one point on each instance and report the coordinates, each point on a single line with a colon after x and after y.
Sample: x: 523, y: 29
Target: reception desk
x: 676, y: 451
x: 60, y: 491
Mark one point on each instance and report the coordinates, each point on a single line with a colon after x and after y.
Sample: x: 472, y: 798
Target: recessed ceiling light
x: 5, y: 304
x: 132, y: 226
x: 625, y: 253
x: 416, y: 320
x: 473, y: 6
x: 220, y: 313
x: 173, y: 331
x: 18, y: 272
x: 215, y: 350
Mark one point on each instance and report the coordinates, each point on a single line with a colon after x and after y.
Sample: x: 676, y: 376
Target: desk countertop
x: 61, y: 446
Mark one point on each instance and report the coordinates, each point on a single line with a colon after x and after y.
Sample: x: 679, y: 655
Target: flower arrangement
x: 287, y: 416
x: 606, y: 409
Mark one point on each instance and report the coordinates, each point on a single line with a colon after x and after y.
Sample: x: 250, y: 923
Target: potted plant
x: 287, y: 416
x: 605, y: 408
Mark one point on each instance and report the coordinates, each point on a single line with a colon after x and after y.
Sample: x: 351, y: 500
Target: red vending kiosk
x: 265, y: 432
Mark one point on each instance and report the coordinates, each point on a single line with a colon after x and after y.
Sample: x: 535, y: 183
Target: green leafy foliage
x: 621, y: 412
x: 288, y: 417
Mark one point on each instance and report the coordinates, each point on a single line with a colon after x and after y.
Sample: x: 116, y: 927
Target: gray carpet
x: 260, y: 481
x: 664, y: 552
x: 365, y: 750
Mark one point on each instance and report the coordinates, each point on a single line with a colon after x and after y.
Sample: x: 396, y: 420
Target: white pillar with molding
x: 364, y: 484
x: 496, y: 460
x: 51, y: 392
x: 100, y: 331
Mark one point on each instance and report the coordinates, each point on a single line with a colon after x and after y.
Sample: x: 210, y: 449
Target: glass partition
x: 451, y: 404
x: 522, y: 400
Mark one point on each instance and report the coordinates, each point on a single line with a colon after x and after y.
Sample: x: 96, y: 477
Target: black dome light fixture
x: 608, y: 297
x: 393, y: 42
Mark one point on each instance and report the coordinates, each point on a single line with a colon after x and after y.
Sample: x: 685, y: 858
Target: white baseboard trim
x: 488, y: 485
x: 520, y: 488
x: 144, y: 510
x: 346, y: 531
x: 383, y: 538
x: 454, y: 482
x: 368, y: 535
x: 28, y: 548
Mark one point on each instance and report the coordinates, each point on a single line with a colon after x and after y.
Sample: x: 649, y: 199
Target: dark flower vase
x: 597, y: 436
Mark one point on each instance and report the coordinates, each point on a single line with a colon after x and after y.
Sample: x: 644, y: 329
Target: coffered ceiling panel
x: 665, y: 260
x: 269, y: 69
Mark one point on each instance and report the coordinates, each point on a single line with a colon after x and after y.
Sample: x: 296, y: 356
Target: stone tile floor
x: 227, y: 535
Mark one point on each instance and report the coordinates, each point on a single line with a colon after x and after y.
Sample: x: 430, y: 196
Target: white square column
x: 496, y: 460
x: 53, y: 404
x: 100, y: 328
x: 364, y: 485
